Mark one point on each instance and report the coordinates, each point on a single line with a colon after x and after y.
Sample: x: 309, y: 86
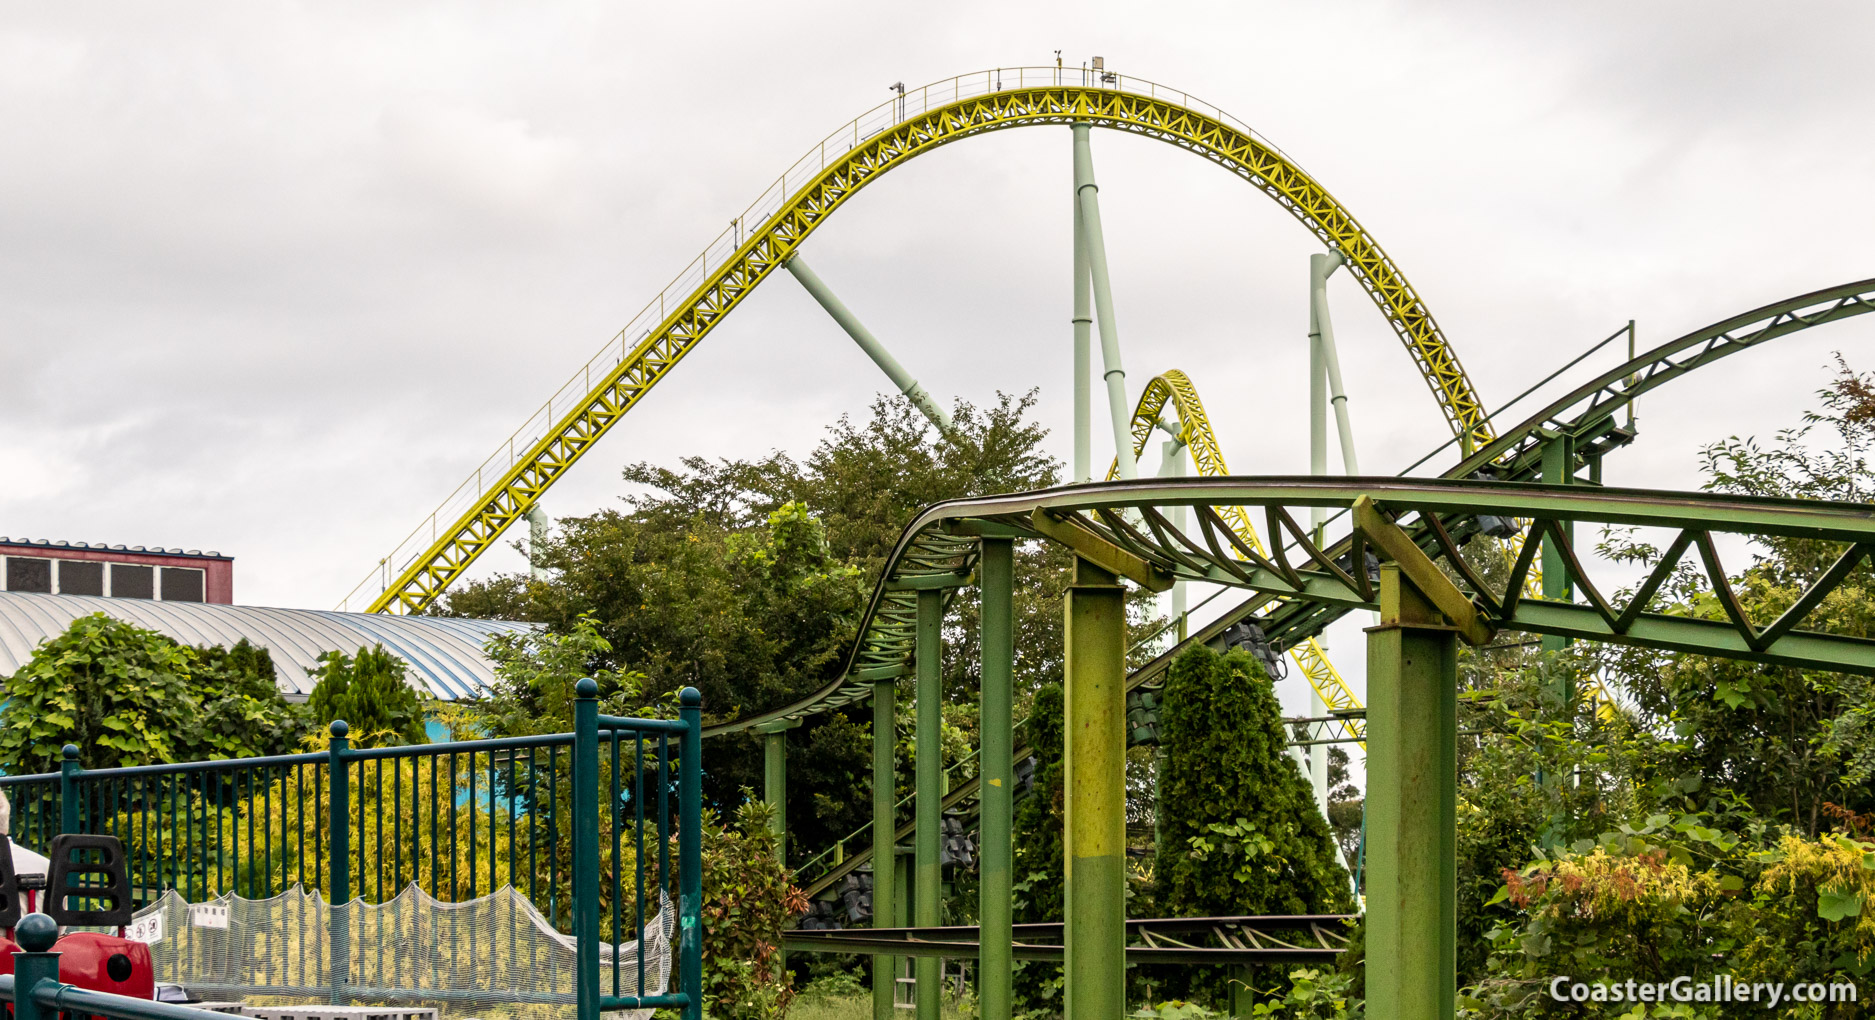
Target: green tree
x: 373, y: 695
x: 1238, y: 828
x: 129, y: 696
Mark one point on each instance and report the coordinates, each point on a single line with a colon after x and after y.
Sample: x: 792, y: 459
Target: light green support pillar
x: 1083, y: 349
x: 927, y: 874
x: 1096, y: 791
x: 1094, y: 243
x: 875, y: 350
x: 995, y: 573
x: 1558, y: 469
x: 775, y: 788
x: 1412, y: 780
x: 884, y: 841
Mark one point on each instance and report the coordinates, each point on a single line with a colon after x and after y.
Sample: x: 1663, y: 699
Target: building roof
x: 444, y: 653
x: 11, y: 545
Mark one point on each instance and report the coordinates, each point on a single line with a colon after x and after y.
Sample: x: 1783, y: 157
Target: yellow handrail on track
x: 506, y: 485
x: 1194, y: 430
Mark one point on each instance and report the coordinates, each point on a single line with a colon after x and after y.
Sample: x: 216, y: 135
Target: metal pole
x: 870, y: 344
x: 1172, y: 465
x: 586, y: 848
x: 1095, y: 671
x: 1558, y: 466
x: 1083, y: 343
x: 995, y: 569
x: 927, y: 878
x: 884, y: 841
x: 339, y: 883
x: 1318, y: 755
x: 1322, y: 327
x: 1412, y: 770
x: 690, y: 850
x: 1087, y: 194
x: 69, y: 772
x: 537, y: 524
x: 775, y: 788
x: 33, y: 965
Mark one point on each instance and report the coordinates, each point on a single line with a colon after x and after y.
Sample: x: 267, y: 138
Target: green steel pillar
x: 1558, y: 469
x: 818, y: 289
x: 1083, y: 348
x: 775, y: 788
x: 339, y: 885
x: 995, y: 571
x: 1095, y: 849
x: 690, y: 852
x: 1412, y: 777
x: 586, y: 847
x: 884, y: 841
x: 1087, y: 198
x: 928, y: 875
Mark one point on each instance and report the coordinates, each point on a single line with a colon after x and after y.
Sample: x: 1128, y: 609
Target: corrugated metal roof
x: 445, y: 654
x: 30, y: 544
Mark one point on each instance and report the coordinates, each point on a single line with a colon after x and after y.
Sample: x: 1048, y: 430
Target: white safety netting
x: 493, y: 957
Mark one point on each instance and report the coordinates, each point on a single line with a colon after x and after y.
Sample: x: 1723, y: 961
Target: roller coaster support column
x: 1559, y: 458
x: 1325, y: 378
x: 870, y: 344
x: 927, y: 888
x: 1172, y: 465
x: 884, y: 840
x: 775, y: 784
x: 1094, y: 243
x: 537, y: 525
x: 1083, y: 343
x: 1412, y: 776
x: 995, y: 571
x: 1412, y: 769
x: 1096, y: 788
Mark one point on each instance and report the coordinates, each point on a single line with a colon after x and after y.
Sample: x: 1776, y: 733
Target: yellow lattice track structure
x: 1194, y: 430
x: 509, y: 483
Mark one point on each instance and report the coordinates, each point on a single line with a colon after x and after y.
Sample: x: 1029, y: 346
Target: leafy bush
x: 749, y: 899
x: 130, y: 696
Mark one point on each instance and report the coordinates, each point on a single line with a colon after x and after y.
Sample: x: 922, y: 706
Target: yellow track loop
x: 512, y: 480
x: 1195, y: 432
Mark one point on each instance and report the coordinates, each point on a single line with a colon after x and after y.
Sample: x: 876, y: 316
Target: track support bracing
x: 875, y: 350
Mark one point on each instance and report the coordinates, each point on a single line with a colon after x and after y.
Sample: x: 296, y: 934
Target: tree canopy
x: 129, y: 696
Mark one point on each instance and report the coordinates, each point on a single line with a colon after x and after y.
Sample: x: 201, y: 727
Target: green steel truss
x: 512, y: 480
x: 1123, y: 523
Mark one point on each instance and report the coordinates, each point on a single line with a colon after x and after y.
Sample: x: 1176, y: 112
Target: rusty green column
x: 1558, y: 466
x: 884, y: 840
x: 927, y: 875
x: 1412, y: 777
x: 1096, y: 794
x: 995, y: 575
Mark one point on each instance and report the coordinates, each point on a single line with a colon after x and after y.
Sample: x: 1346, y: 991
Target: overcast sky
x: 274, y: 277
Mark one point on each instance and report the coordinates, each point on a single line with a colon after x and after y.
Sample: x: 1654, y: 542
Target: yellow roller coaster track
x: 509, y: 483
x: 1194, y: 430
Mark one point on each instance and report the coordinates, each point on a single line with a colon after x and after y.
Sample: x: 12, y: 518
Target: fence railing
x: 34, y: 991
x: 459, y: 820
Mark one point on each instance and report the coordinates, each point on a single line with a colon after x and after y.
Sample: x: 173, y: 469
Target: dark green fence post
x: 586, y: 849
x: 339, y: 883
x: 690, y: 850
x: 33, y: 964
x: 68, y: 788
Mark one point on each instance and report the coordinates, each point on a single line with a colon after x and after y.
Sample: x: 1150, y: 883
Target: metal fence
x: 459, y: 820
